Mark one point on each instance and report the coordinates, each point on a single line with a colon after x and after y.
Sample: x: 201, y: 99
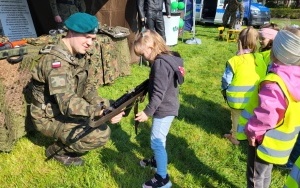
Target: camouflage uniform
x: 64, y: 97
x: 65, y: 8
x: 230, y: 12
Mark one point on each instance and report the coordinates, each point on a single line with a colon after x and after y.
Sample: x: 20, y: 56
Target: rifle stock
x: 126, y: 101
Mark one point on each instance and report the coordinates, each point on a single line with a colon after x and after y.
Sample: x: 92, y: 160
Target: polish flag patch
x: 56, y: 64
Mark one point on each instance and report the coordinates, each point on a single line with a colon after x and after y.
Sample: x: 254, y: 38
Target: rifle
x: 124, y: 103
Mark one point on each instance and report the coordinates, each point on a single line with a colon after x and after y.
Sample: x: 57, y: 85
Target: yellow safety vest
x: 246, y: 114
x: 266, y: 56
x: 253, y: 103
x: 293, y: 180
x: 248, y: 70
x: 279, y: 142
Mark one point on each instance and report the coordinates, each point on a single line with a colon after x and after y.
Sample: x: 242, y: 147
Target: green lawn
x: 285, y: 22
x: 199, y: 156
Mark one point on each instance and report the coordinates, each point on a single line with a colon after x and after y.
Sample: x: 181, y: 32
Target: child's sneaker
x: 158, y: 181
x: 149, y: 162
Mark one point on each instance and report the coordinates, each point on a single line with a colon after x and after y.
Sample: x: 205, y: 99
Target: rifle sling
x: 136, y: 123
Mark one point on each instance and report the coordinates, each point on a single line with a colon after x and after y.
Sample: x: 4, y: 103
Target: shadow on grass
x: 186, y: 162
x: 123, y: 162
x: 210, y: 116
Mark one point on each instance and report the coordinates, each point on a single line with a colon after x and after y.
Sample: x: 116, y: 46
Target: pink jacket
x: 272, y: 105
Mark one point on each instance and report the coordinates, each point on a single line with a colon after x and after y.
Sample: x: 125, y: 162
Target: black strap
x: 13, y: 60
x: 36, y: 102
x: 136, y: 123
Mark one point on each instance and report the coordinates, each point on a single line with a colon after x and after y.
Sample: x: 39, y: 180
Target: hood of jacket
x: 176, y: 63
x: 290, y: 74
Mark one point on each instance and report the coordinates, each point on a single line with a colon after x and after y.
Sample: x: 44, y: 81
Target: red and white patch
x: 56, y: 64
x: 182, y: 71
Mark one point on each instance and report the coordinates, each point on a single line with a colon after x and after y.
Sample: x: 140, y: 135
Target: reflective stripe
x: 240, y: 128
x: 232, y: 88
x: 293, y: 180
x: 237, y: 99
x: 278, y: 135
x: 245, y: 114
x: 295, y: 173
x: 274, y: 153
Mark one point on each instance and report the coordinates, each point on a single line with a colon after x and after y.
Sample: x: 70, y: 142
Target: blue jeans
x: 159, y: 132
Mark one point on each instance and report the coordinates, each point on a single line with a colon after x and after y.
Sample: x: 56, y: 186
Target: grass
x: 284, y: 22
x: 199, y: 156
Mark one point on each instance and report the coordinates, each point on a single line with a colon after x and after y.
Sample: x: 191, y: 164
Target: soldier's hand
x: 117, y: 118
x: 98, y: 112
x: 143, y: 23
x: 58, y: 19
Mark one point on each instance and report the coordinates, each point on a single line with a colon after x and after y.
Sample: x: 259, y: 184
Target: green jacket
x: 64, y: 80
x: 65, y: 8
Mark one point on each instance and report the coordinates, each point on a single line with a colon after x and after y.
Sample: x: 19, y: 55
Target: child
x: 267, y: 34
x: 273, y: 128
x: 163, y: 98
x: 240, y: 78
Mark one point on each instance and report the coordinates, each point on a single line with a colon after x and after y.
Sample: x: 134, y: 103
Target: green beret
x: 82, y: 23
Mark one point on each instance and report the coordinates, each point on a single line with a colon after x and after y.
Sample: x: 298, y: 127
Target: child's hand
x: 141, y: 117
x: 252, y: 141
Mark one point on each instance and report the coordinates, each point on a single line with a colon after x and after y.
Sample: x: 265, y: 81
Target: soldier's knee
x: 95, y: 139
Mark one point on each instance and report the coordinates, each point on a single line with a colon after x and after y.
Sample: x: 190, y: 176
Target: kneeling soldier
x: 63, y: 96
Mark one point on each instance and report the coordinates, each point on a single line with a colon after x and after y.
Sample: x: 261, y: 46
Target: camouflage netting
x: 111, y: 60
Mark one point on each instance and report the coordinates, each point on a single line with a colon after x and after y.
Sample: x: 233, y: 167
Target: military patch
x: 56, y: 64
x: 58, y: 81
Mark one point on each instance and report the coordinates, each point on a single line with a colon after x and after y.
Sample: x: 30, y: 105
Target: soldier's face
x: 80, y: 43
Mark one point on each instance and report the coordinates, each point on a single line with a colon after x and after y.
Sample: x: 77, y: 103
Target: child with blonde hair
x: 241, y: 76
x: 165, y: 76
x: 267, y: 33
x: 273, y: 128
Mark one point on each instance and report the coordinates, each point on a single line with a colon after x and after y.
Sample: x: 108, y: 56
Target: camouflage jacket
x: 233, y: 6
x: 65, y: 8
x: 64, y: 80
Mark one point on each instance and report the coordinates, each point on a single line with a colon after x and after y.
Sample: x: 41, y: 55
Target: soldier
x: 151, y: 15
x: 62, y: 9
x: 64, y: 97
x: 230, y: 12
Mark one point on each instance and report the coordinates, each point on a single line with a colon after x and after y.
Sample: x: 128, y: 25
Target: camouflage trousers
x: 229, y: 14
x: 64, y: 129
